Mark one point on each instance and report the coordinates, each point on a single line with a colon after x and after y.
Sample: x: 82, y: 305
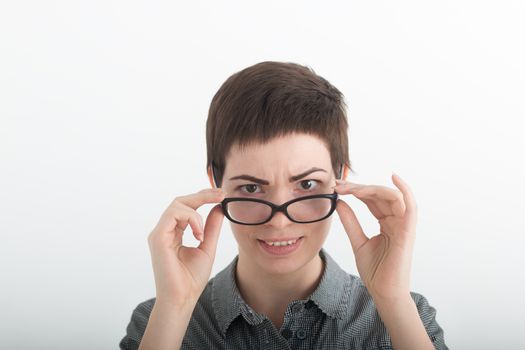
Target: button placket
x: 309, y: 304
x: 301, y: 333
x: 287, y: 333
x: 296, y: 308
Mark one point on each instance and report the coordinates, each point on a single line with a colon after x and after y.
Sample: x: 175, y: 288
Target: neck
x: 270, y: 294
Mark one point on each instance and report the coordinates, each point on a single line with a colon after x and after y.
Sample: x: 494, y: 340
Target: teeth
x: 281, y: 243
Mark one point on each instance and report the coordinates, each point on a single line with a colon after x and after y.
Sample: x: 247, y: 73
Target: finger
x: 387, y: 201
x: 408, y: 197
x: 180, y: 213
x: 398, y: 207
x: 351, y: 225
x: 374, y: 209
x: 347, y: 185
x: 212, y: 229
x: 191, y: 217
x: 195, y: 200
x: 174, y: 222
x: 362, y: 191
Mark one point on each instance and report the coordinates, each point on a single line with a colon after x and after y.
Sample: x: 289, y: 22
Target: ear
x: 345, y: 172
x: 210, y: 177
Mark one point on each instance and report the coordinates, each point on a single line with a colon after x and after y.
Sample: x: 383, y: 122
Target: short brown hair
x: 271, y: 99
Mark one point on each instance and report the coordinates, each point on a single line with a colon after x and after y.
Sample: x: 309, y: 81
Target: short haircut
x: 271, y: 99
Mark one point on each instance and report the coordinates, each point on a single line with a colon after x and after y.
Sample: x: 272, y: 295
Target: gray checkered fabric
x: 339, y: 314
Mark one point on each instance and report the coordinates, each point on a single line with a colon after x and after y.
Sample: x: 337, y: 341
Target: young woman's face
x: 276, y: 162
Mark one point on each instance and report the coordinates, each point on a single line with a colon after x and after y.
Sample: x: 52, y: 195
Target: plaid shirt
x: 339, y: 314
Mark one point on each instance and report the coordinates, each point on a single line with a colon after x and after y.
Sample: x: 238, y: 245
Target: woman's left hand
x: 383, y: 261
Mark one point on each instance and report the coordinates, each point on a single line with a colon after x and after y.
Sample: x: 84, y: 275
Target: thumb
x: 212, y: 228
x: 351, y: 224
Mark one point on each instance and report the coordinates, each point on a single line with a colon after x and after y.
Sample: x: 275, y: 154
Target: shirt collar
x: 331, y: 295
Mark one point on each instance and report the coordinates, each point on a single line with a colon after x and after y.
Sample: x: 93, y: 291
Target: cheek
x: 315, y: 232
x: 318, y: 232
x: 243, y: 234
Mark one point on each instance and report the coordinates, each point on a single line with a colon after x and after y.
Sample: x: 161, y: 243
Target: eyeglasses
x: 303, y: 210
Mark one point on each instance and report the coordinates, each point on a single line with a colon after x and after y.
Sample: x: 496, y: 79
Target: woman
x: 277, y: 163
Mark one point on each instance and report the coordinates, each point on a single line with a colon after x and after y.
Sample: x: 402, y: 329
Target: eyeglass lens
x: 305, y: 210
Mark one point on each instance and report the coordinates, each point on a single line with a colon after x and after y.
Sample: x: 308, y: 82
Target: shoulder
x: 202, y: 320
x: 137, y: 325
x: 428, y: 313
x: 363, y: 321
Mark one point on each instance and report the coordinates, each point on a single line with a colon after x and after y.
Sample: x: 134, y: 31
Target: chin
x: 281, y: 266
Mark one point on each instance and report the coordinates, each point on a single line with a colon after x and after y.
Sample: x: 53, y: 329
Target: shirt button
x: 297, y: 307
x: 286, y: 333
x: 301, y: 334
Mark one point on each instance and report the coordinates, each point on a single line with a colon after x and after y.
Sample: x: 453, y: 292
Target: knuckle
x: 194, y: 217
x: 150, y: 238
x: 198, y: 217
x: 174, y: 212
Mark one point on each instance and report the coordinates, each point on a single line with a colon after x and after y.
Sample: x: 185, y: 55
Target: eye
x: 250, y: 186
x: 305, y: 185
x: 309, y: 187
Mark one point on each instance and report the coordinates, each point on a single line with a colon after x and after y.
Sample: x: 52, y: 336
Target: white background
x: 103, y: 107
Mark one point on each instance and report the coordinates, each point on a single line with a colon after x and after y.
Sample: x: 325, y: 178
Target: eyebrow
x: 265, y: 182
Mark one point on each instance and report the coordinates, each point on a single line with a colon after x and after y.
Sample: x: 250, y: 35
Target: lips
x: 281, y: 250
x: 284, y: 239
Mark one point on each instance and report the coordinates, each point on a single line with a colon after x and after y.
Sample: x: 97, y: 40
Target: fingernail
x: 339, y: 181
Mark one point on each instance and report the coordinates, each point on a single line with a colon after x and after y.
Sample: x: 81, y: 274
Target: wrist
x: 181, y: 305
x: 403, y: 322
x: 398, y: 300
x: 395, y: 310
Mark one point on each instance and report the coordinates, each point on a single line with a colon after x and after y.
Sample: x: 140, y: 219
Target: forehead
x: 292, y: 153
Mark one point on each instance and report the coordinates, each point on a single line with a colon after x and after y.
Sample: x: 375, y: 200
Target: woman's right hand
x: 181, y: 273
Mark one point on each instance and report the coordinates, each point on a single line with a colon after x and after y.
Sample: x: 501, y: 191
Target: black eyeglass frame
x: 282, y: 208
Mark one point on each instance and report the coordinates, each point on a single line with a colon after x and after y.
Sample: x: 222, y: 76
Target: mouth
x: 280, y: 241
x: 281, y: 247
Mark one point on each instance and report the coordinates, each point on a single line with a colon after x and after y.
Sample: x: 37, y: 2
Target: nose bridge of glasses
x: 282, y: 208
x: 279, y: 210
x: 279, y: 217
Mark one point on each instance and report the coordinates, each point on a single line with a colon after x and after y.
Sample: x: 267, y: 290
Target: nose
x: 280, y: 220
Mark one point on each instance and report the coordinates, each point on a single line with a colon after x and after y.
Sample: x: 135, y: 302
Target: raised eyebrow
x: 266, y: 182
